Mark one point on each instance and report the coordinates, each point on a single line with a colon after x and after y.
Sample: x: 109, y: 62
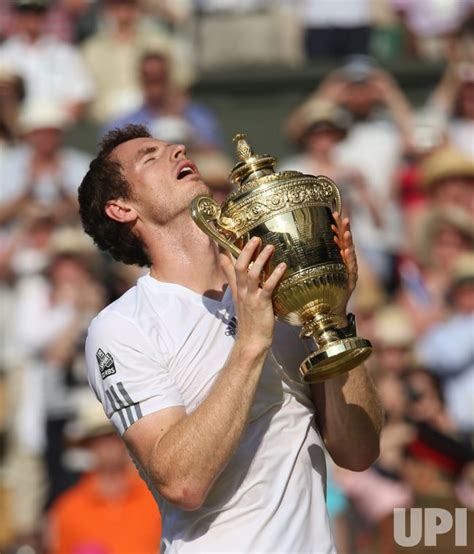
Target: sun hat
x: 445, y: 163
x: 317, y: 113
x: 393, y: 327
x: 435, y: 220
x: 42, y: 114
x: 90, y: 421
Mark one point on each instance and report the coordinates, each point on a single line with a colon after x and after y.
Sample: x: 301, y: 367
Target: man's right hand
x: 252, y: 298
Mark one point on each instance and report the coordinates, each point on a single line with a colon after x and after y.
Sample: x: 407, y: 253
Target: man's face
x: 30, y: 22
x: 454, y: 191
x: 45, y: 141
x: 163, y: 180
x: 123, y: 12
x: 360, y: 99
x: 322, y: 141
x: 154, y: 78
x: 109, y: 452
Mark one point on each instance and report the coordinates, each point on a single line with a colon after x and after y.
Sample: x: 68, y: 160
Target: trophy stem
x: 334, y: 355
x: 322, y: 327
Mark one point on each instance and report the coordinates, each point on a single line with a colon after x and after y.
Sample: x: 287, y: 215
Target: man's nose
x: 179, y: 151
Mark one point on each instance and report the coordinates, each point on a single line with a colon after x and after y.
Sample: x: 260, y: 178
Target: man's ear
x: 120, y: 211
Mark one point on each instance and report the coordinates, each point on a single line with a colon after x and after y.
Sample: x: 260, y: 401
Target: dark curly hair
x: 104, y: 182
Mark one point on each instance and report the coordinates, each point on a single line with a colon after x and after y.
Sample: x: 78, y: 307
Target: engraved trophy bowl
x: 292, y: 212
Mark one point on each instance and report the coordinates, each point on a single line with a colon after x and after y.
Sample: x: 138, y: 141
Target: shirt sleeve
x: 127, y: 372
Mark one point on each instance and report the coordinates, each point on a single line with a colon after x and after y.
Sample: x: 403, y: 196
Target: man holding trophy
x: 224, y: 410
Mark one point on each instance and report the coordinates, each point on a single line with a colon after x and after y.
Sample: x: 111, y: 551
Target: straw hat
x: 90, y: 421
x: 42, y: 114
x: 317, y: 113
x: 72, y: 240
x: 393, y: 327
x: 445, y: 163
x: 463, y: 270
x: 433, y: 222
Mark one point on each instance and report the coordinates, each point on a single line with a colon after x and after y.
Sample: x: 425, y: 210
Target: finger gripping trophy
x: 292, y: 212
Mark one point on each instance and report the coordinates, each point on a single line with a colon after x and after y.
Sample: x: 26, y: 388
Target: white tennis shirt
x: 162, y: 345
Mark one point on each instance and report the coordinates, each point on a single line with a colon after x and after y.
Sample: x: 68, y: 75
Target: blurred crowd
x: 406, y: 175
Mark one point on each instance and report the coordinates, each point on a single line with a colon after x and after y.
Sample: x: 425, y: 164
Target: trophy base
x: 334, y: 359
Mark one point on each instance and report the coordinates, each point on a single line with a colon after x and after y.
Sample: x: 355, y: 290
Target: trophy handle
x: 337, y: 200
x: 332, y: 193
x: 206, y: 213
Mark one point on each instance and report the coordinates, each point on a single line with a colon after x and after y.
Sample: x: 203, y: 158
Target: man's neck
x: 189, y: 259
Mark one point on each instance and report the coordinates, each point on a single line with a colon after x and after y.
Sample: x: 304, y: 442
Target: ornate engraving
x: 315, y: 290
x: 251, y: 210
x: 265, y: 180
x: 209, y: 208
x: 310, y: 273
x: 244, y: 150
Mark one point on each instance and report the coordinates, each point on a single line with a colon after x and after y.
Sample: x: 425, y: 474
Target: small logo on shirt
x: 106, y: 363
x: 231, y: 329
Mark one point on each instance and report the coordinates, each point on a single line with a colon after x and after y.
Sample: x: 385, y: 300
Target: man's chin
x: 200, y: 188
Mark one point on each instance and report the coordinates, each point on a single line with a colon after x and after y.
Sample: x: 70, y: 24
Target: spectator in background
x: 447, y: 175
x: 317, y: 127
x: 394, y: 339
x: 381, y: 122
x: 336, y: 29
x: 164, y: 103
x: 44, y: 275
x: 452, y: 102
x: 434, y: 463
x: 448, y: 349
x: 441, y: 239
x: 427, y: 136
x: 426, y: 401
x: 42, y: 173
x: 110, y: 510
x: 66, y: 295
x: 63, y: 19
x: 113, y: 54
x: 52, y: 70
x: 431, y: 26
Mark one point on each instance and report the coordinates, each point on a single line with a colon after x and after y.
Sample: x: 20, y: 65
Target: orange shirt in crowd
x: 84, y: 522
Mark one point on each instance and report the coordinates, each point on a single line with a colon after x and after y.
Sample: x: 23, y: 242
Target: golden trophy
x: 293, y: 212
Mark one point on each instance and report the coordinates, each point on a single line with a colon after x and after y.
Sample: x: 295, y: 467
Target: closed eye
x: 144, y: 152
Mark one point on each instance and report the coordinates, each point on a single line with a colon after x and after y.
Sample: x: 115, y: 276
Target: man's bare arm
x: 350, y: 418
x: 348, y: 411
x: 184, y: 453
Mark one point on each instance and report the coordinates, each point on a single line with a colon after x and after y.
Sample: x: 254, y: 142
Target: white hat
x: 90, y: 420
x: 393, y: 327
x: 42, y: 114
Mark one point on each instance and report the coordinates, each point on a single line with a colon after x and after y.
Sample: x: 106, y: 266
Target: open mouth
x: 186, y: 169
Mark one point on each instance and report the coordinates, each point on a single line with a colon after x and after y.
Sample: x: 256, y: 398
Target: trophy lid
x: 251, y: 166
